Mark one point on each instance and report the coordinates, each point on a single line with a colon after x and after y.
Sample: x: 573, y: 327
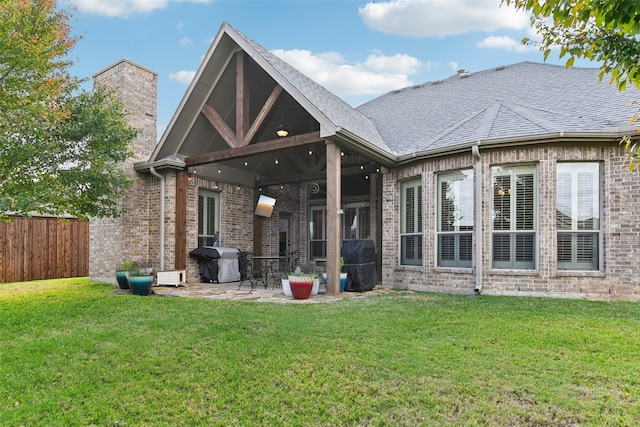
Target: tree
x: 61, y: 147
x: 606, y: 31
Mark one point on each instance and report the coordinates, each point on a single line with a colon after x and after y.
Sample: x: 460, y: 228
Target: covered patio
x: 249, y: 126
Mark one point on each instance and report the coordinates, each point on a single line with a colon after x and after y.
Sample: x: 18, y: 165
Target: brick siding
x: 132, y: 235
x: 617, y: 279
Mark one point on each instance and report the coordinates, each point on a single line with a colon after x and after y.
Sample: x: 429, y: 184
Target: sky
x: 355, y: 48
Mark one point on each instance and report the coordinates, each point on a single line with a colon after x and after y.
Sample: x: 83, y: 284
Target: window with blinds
x: 411, y: 222
x: 514, y: 217
x: 208, y: 217
x: 317, y: 232
x: 578, y: 215
x: 355, y: 225
x: 355, y: 222
x: 455, y: 219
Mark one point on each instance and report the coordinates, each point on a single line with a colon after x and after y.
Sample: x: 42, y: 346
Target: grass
x: 73, y: 354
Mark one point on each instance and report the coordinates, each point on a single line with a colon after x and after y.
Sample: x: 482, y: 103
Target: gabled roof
x: 336, y: 117
x: 510, y: 102
x: 504, y: 105
x: 334, y: 114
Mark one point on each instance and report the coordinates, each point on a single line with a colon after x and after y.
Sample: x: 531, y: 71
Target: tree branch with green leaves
x: 61, y: 147
x: 606, y: 31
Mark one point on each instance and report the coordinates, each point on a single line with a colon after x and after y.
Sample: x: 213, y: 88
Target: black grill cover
x: 207, y: 262
x: 360, y: 265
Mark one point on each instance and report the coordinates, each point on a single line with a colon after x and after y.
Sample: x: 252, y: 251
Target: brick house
x: 506, y: 181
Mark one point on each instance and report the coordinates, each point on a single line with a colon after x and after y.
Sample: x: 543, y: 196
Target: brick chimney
x: 128, y: 236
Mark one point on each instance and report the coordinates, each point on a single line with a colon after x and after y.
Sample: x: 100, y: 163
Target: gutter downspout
x: 477, y: 179
x: 162, y: 185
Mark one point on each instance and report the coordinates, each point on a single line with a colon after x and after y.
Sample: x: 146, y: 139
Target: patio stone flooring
x: 229, y: 291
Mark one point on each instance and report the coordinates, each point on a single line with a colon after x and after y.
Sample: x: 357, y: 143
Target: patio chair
x: 245, y: 265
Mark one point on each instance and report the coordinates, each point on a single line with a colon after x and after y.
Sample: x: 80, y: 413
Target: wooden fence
x: 43, y: 248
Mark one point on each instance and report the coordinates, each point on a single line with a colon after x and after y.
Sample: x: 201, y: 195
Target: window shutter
x: 586, y: 196
x: 418, y: 217
x: 411, y: 223
x: 514, y: 217
x: 466, y: 247
x: 502, y: 202
x: 211, y: 216
x: 525, y: 213
x: 201, y: 215
x: 577, y: 215
x: 586, y: 248
x: 563, y: 201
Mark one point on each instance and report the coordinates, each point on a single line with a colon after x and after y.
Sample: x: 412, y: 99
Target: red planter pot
x: 301, y: 287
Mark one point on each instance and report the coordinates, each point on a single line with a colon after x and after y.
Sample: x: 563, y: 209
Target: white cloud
x: 185, y: 41
x: 505, y: 43
x: 183, y: 76
x: 180, y: 26
x: 453, y: 65
x: 439, y: 18
x: 122, y: 8
x: 378, y: 74
x: 399, y: 63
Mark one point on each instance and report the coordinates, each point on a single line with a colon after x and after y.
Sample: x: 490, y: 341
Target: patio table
x: 270, y: 268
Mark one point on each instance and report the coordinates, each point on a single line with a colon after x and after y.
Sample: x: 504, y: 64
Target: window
x: 355, y: 225
x: 411, y: 222
x: 208, y: 217
x: 455, y: 218
x: 514, y: 217
x: 578, y: 215
x: 317, y: 232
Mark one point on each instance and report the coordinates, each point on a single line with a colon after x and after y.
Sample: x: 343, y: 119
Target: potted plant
x: 316, y: 283
x: 301, y: 284
x: 122, y: 273
x: 286, y: 287
x: 140, y: 280
x: 343, y: 276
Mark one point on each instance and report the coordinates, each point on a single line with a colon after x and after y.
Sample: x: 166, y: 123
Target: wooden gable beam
x: 242, y: 100
x: 243, y: 139
x: 262, y: 115
x: 244, y: 133
x: 218, y: 123
x: 249, y: 150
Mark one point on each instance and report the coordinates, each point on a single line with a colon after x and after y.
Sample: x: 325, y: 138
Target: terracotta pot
x: 301, y: 287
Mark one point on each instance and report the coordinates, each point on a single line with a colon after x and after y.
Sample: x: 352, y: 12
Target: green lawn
x: 73, y: 354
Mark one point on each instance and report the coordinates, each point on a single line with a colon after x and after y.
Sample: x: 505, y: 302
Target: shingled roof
x: 506, y: 102
x: 503, y: 105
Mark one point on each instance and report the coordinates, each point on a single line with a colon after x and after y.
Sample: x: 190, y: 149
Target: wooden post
x: 182, y: 179
x: 333, y: 218
x: 257, y: 224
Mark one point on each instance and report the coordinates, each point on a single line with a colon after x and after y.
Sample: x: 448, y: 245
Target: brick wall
x: 621, y: 216
x: 134, y: 234
x: 236, y: 218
